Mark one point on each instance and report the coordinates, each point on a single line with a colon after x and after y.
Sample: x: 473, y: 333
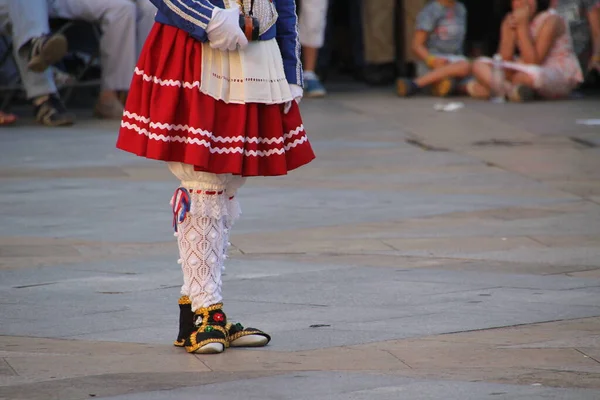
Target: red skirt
x: 167, y: 117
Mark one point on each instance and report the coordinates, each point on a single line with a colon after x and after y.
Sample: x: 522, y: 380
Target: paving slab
x: 353, y: 386
x: 422, y: 255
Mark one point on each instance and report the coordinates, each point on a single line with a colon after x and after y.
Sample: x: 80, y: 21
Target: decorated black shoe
x: 209, y: 335
x: 238, y: 336
x: 186, y: 321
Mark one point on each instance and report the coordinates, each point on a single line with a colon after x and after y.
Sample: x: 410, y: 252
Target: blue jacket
x: 193, y: 17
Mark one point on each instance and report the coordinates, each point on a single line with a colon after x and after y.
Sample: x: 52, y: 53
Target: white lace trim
x: 219, y: 150
x: 233, y: 207
x: 233, y: 211
x: 211, y: 205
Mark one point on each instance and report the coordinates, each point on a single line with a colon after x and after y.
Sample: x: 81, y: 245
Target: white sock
x: 201, y: 241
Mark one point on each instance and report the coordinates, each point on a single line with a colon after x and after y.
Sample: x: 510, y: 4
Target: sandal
x: 52, y: 112
x: 45, y: 51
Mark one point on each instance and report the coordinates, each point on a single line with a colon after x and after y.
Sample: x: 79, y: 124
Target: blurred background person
x: 35, y: 49
x: 438, y: 43
x: 583, y: 18
x: 549, y: 67
x: 311, y: 27
x: 124, y: 25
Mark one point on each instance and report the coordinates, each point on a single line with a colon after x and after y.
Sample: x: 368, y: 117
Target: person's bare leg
x: 312, y: 85
x: 312, y: 23
x: 459, y: 69
x: 521, y: 78
x: 309, y: 58
x: 483, y: 73
x: 477, y: 90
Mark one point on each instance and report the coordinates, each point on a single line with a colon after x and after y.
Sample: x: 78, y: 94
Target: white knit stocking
x: 201, y: 248
x: 228, y: 220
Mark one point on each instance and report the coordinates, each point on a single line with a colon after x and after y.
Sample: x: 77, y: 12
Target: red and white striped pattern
x: 167, y: 117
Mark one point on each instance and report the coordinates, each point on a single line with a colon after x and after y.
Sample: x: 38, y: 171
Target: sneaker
x: 52, y: 112
x: 314, y: 88
x: 45, y: 51
x: 406, y: 87
x: 521, y: 94
x: 443, y: 88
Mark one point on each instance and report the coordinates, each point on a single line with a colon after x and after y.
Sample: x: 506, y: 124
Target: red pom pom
x: 218, y: 317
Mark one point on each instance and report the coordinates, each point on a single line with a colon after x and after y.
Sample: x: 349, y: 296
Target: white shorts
x: 312, y: 23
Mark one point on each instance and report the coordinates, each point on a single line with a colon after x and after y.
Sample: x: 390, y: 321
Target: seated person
x: 583, y: 17
x: 125, y: 25
x: 312, y: 22
x: 547, y: 66
x: 438, y: 42
x: 35, y: 49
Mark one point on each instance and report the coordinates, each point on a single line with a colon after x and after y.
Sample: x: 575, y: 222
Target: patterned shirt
x: 447, y: 27
x: 575, y: 13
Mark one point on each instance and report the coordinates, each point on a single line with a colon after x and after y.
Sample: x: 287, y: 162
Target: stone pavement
x: 423, y: 255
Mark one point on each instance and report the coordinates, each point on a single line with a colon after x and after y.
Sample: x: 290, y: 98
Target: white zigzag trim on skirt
x: 220, y: 150
x: 167, y: 82
x: 218, y: 139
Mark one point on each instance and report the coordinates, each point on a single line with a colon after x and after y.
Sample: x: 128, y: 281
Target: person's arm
x: 508, y: 38
x: 191, y: 16
x: 425, y: 24
x: 419, y: 46
x: 289, y: 44
x: 593, y: 16
x: 535, y: 51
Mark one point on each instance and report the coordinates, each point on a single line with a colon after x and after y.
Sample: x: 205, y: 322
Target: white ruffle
x: 221, y: 200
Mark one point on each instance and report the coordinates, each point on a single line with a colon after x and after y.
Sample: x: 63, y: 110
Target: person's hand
x: 522, y: 15
x: 223, y: 30
x: 510, y: 21
x: 508, y: 26
x: 297, y: 93
x: 439, y: 62
x: 434, y: 62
